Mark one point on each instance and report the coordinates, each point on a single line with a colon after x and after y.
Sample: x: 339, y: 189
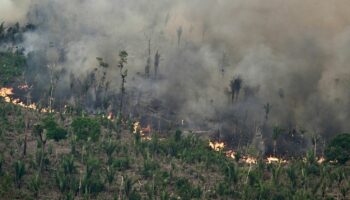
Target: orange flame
x: 250, y: 160
x: 230, y: 154
x: 142, y: 131
x: 321, y: 160
x: 217, y: 146
x: 271, y: 159
x: 6, y: 93
x: 110, y: 116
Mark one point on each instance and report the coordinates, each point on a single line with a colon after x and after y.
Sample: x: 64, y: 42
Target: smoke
x: 290, y: 54
x: 12, y: 11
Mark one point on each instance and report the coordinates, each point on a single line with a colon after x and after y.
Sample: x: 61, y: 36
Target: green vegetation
x: 85, y: 128
x: 54, y: 132
x: 63, y: 163
x: 11, y: 66
x: 339, y: 149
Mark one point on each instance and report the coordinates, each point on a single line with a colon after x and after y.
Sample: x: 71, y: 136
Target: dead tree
x: 123, y: 56
x: 223, y: 64
x: 53, y: 81
x: 179, y: 34
x: 267, y: 108
x: 103, y: 84
x: 156, y: 64
x: 235, y: 85
x: 148, y: 62
x: 26, y: 119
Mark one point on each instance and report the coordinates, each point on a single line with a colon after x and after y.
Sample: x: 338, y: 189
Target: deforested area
x: 164, y: 99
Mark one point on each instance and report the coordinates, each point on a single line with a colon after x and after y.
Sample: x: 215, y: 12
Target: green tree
x: 85, y: 128
x: 53, y: 131
x: 339, y: 149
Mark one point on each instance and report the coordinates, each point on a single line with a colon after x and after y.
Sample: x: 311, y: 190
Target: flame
x: 217, y: 146
x: 6, y: 93
x: 321, y: 160
x: 230, y: 154
x: 137, y: 127
x: 110, y: 116
x: 142, y: 131
x: 271, y: 159
x: 250, y: 160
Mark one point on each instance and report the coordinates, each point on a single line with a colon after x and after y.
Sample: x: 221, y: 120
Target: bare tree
x: 235, y: 85
x: 223, y: 64
x: 53, y: 81
x: 156, y: 64
x: 179, y: 34
x: 148, y: 63
x: 267, y: 108
x: 123, y: 56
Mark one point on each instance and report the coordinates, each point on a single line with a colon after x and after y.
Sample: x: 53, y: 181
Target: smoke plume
x: 292, y: 55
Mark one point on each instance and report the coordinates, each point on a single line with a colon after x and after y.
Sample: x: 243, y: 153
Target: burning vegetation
x: 174, y: 104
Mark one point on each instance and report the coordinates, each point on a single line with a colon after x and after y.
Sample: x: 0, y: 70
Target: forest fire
x: 217, y: 146
x: 6, y: 93
x: 271, y: 159
x: 110, y: 116
x: 231, y: 154
x: 321, y: 160
x: 144, y: 132
x: 250, y: 160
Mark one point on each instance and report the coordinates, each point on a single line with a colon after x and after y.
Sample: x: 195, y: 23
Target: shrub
x: 149, y: 167
x: 122, y: 163
x: 177, y: 135
x: 34, y: 185
x: 185, y: 189
x: 224, y: 188
x: 85, y: 128
x: 92, y: 183
x: 54, y: 132
x: 339, y: 149
x: 19, y: 172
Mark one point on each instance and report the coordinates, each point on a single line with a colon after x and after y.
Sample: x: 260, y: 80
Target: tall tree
x: 235, y: 85
x: 179, y: 34
x: 53, y: 81
x: 223, y: 64
x: 267, y: 108
x: 148, y: 63
x: 123, y: 59
x: 156, y: 64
